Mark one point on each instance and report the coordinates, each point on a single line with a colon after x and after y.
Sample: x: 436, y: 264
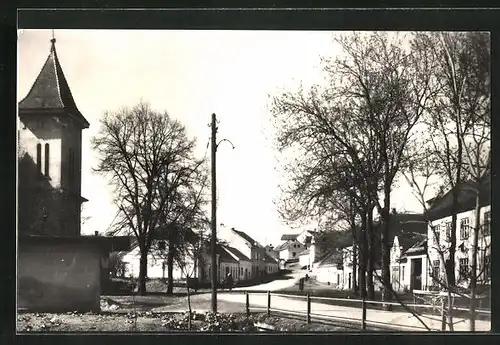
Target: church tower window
x: 47, y: 160
x: 39, y: 157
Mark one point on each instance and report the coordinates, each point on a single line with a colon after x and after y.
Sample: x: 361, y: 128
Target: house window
x: 464, y: 228
x: 39, y: 157
x: 437, y: 233
x: 435, y: 271
x: 402, y: 273
x: 47, y: 161
x: 448, y: 231
x: 463, y: 268
x: 293, y: 254
x: 227, y: 270
x: 487, y: 222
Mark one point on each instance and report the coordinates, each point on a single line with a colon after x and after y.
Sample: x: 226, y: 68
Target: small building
x: 409, y: 262
x: 244, y: 264
x: 290, y: 250
x: 271, y: 252
x: 330, y: 269
x: 306, y: 236
x: 157, y: 263
x: 347, y: 267
x: 272, y: 266
x: 63, y: 273
x: 249, y: 247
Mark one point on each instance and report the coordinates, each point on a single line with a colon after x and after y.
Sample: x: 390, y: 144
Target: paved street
x: 231, y: 302
x: 275, y: 285
x: 235, y: 302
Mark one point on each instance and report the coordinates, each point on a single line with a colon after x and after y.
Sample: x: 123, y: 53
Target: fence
x: 336, y: 315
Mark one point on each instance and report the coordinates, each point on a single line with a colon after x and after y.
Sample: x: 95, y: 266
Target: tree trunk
x: 354, y: 250
x: 370, y: 256
x: 143, y: 271
x: 385, y: 216
x: 362, y: 258
x: 170, y: 269
x: 450, y: 267
x: 355, y: 285
x: 473, y: 276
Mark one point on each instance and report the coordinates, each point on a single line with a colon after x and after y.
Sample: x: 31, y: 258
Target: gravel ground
x: 153, y: 322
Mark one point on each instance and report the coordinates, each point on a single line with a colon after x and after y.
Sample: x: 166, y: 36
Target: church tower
x: 50, y: 155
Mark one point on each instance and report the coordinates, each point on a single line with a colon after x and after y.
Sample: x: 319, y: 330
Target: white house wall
x: 304, y: 260
x: 155, y: 266
x: 432, y: 249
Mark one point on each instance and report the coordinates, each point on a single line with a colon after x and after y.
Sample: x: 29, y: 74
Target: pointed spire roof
x: 50, y: 91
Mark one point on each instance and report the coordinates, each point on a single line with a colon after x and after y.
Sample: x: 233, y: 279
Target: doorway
x: 416, y: 274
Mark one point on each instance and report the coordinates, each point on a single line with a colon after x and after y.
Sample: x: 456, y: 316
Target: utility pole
x: 214, y: 212
x: 214, y: 217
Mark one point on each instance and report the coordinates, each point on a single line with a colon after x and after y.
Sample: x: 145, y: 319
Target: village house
x: 406, y: 228
x: 439, y: 233
x: 255, y: 263
x: 157, y: 263
x: 290, y: 250
x: 272, y: 252
x: 330, y: 270
x: 347, y: 267
x: 58, y: 268
x: 248, y: 247
x: 408, y: 261
x: 305, y: 237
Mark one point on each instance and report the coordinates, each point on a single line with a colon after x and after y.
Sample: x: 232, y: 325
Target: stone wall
x: 58, y: 276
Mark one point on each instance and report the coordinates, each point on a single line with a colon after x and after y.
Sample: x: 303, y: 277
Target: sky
x: 190, y: 74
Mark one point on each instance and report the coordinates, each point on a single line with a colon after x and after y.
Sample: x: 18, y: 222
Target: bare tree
x: 148, y: 158
x: 364, y: 117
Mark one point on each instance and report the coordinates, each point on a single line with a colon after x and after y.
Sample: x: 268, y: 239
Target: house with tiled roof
x: 244, y: 270
x: 247, y: 246
x: 306, y: 236
x: 157, y: 259
x: 290, y: 250
x: 408, y: 249
x: 440, y: 226
x: 329, y: 269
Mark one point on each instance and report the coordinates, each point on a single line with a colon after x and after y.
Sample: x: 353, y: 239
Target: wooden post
x: 268, y: 303
x: 308, y: 308
x: 363, y: 314
x: 443, y: 314
x: 247, y: 303
x: 189, y: 309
